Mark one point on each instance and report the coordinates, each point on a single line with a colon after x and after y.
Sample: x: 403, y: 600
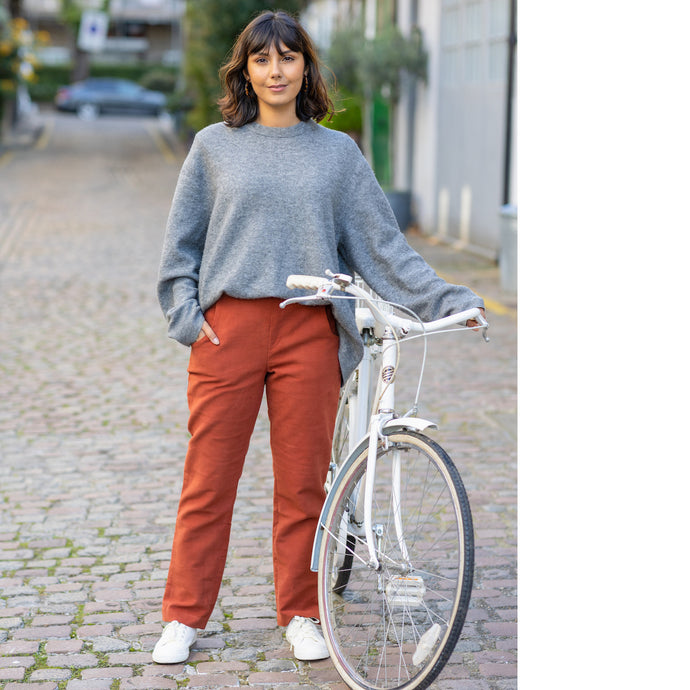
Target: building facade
x: 453, y: 136
x: 138, y: 30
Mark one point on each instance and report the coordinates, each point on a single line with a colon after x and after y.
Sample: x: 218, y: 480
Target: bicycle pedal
x: 405, y: 591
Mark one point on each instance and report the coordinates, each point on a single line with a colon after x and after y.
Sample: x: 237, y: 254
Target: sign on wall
x: 93, y: 31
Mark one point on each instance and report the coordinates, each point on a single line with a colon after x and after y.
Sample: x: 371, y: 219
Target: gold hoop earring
x: 246, y: 89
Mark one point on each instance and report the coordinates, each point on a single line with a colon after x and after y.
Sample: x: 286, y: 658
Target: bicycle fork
x: 385, y: 394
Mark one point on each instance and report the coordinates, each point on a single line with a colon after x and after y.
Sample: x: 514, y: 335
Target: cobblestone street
x: 93, y: 436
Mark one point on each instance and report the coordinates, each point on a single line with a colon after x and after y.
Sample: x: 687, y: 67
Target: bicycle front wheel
x: 396, y: 627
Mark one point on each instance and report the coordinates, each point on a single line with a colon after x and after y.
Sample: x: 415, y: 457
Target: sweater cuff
x: 185, y: 322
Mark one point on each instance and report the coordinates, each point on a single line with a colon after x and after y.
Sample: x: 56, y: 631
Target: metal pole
x: 512, y: 41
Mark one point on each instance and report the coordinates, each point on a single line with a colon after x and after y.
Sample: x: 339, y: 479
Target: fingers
x: 472, y: 323
x: 207, y: 331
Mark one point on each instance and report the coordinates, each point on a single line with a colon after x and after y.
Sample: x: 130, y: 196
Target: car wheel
x: 87, y: 111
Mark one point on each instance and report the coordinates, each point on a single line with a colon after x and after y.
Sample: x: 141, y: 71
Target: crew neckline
x: 278, y: 132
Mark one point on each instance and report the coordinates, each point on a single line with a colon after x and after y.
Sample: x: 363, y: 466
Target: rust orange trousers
x: 292, y: 353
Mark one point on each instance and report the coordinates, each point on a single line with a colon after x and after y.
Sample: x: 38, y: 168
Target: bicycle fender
x: 363, y: 445
x: 411, y: 423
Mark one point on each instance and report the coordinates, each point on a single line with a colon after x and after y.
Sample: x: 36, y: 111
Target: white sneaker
x: 304, y: 636
x: 174, y: 645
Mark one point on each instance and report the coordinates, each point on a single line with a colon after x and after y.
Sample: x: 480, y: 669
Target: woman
x: 266, y: 193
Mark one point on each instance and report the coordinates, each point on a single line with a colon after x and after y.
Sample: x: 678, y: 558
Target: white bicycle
x: 395, y: 548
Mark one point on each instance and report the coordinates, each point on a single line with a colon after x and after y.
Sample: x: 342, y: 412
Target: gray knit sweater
x: 254, y: 204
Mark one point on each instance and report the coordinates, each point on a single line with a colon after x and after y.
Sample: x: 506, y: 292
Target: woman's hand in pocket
x: 207, y: 331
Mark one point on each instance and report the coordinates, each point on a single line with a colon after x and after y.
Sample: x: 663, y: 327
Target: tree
x: 212, y: 27
x: 372, y: 70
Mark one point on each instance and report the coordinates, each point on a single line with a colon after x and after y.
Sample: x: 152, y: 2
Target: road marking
x: 162, y: 144
x: 497, y: 308
x: 45, y: 135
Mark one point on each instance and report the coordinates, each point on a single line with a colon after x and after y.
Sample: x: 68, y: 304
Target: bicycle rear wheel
x: 397, y: 627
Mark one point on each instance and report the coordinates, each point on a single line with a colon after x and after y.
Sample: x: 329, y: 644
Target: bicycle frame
x: 383, y: 420
x: 381, y: 423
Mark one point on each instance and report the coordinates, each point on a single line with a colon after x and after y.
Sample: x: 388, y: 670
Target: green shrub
x: 159, y: 79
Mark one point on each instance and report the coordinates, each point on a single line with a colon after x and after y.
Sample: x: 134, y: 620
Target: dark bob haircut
x: 267, y: 30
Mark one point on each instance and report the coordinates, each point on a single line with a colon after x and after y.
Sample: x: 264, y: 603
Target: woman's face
x: 276, y: 77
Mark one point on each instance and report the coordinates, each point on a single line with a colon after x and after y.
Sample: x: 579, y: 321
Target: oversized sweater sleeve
x: 183, y: 247
x: 373, y: 246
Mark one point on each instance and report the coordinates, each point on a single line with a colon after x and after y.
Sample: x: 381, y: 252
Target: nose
x: 276, y: 72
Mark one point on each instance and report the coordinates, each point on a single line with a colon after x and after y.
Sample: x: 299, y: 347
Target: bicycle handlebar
x: 325, y: 286
x: 306, y: 282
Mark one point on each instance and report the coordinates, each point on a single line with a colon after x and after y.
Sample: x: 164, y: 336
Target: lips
x: 278, y: 87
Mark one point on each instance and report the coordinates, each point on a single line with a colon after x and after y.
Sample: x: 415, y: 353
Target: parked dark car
x: 91, y: 97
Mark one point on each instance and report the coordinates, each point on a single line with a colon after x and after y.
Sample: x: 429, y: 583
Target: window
x: 474, y: 40
x: 472, y: 31
x: 499, y: 28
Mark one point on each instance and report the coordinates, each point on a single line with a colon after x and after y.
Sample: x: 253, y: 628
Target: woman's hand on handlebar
x: 472, y: 323
x: 207, y: 331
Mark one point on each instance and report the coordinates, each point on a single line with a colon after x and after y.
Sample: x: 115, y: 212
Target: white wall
x: 459, y: 121
x: 449, y: 134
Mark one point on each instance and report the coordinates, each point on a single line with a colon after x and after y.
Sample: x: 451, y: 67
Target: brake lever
x: 483, y: 325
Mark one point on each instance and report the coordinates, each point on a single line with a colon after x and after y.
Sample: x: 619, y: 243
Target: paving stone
x: 166, y: 670
x: 51, y: 620
x: 149, y: 683
x: 51, y: 674
x: 108, y: 644
x: 272, y: 678
x: 18, y: 647
x: 16, y: 661
x: 216, y: 680
x: 93, y: 437
x: 220, y: 667
x: 91, y: 684
x: 41, y: 633
x: 87, y: 632
x: 129, y: 658
x: 107, y: 672
x: 14, y: 622
x: 84, y: 660
x: 11, y: 673
x: 63, y: 646
x: 277, y: 665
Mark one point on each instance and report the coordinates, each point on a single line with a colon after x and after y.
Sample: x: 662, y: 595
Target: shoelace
x: 175, y: 632
x: 308, y: 628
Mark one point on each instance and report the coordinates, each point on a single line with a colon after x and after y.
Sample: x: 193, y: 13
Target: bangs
x: 274, y: 31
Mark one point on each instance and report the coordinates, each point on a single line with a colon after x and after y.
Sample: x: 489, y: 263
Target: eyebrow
x: 265, y: 52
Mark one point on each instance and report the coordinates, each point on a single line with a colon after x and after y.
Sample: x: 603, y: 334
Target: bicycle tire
x: 386, y: 621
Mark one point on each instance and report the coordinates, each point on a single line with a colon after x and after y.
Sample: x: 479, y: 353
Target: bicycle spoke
x: 398, y: 625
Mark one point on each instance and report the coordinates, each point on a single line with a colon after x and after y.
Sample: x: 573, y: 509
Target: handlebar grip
x: 305, y: 282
